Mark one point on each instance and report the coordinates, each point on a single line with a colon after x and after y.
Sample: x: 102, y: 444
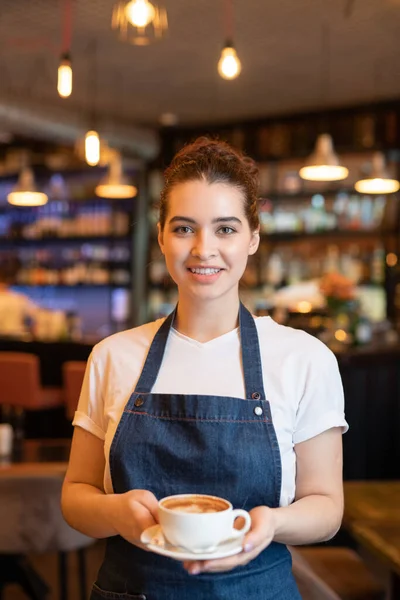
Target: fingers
x: 261, y: 528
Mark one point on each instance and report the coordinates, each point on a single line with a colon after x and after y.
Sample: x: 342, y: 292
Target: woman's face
x: 206, y: 238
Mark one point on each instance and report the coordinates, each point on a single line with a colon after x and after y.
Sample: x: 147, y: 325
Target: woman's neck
x: 206, y: 320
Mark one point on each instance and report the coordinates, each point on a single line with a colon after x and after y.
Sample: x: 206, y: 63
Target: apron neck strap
x: 250, y: 351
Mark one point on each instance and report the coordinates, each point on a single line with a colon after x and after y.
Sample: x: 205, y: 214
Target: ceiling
x: 286, y: 65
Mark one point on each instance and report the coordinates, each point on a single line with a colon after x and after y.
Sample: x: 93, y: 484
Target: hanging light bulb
x: 140, y: 22
x: 92, y: 148
x: 229, y: 65
x: 140, y: 12
x: 25, y: 193
x: 64, y: 82
x: 115, y: 185
x: 379, y: 182
x: 323, y: 164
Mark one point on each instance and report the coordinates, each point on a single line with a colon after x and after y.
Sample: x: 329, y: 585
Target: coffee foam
x: 195, y: 505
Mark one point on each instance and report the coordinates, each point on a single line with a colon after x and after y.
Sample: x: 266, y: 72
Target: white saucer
x: 154, y: 539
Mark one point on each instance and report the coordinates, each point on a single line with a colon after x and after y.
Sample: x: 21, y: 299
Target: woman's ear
x: 254, y: 241
x: 160, y: 237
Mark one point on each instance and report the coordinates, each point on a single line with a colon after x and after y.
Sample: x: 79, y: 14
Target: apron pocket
x: 99, y: 594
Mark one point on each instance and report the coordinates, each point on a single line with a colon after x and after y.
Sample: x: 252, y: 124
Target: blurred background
x: 96, y: 96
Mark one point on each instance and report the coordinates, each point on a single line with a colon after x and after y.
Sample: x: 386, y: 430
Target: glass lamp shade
x: 25, y: 193
x: 140, y: 22
x: 323, y: 164
x: 379, y: 182
x: 115, y: 185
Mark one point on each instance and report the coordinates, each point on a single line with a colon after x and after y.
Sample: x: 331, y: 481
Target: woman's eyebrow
x: 217, y: 220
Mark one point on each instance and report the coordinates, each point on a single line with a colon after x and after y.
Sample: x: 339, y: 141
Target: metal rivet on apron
x: 139, y: 401
x: 258, y: 411
x: 256, y: 395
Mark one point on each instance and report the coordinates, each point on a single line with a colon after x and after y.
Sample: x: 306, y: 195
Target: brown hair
x: 215, y: 162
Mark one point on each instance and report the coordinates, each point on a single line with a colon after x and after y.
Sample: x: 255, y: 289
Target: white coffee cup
x: 199, y: 522
x: 6, y: 439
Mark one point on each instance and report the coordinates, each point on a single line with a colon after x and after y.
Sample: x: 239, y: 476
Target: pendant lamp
x: 114, y: 185
x: 25, y: 192
x: 64, y: 79
x: 140, y: 22
x: 229, y: 65
x: 323, y: 164
x: 379, y: 181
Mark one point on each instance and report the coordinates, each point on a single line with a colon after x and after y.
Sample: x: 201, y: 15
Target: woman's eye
x: 183, y: 229
x: 226, y: 230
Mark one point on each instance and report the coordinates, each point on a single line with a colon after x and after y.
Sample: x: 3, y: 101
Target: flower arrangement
x: 339, y: 291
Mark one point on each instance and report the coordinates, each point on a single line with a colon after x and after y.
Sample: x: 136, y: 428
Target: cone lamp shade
x: 379, y: 182
x: 323, y: 164
x: 25, y: 192
x: 115, y: 185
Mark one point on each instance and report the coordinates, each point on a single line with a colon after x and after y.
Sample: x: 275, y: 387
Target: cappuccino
x: 199, y: 522
x: 196, y: 504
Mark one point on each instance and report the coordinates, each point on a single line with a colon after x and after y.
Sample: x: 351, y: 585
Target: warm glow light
x: 377, y: 186
x: 323, y: 173
x: 92, y: 148
x: 140, y: 13
x: 24, y: 193
x: 27, y: 198
x: 64, y: 82
x: 115, y: 191
x: 340, y: 335
x: 229, y: 65
x: 323, y: 164
x: 114, y: 184
x: 391, y: 259
x: 304, y: 306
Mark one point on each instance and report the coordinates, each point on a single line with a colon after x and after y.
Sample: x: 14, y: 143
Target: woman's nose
x: 203, y: 247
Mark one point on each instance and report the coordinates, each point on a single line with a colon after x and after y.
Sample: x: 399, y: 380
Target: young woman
x: 210, y: 400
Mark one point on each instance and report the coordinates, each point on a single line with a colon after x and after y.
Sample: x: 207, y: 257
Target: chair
x: 32, y: 523
x: 20, y: 385
x: 73, y: 373
x: 342, y: 570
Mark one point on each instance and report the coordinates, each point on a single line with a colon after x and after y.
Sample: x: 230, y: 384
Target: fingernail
x: 194, y: 571
x: 248, y: 547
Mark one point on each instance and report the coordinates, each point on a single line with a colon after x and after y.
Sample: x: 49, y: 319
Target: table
x: 372, y: 516
x: 39, y: 458
x: 30, y: 491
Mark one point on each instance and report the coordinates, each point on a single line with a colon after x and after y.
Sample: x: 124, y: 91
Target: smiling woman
x: 223, y: 404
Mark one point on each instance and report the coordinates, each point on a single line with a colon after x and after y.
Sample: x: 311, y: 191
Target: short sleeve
x: 90, y: 410
x: 322, y: 404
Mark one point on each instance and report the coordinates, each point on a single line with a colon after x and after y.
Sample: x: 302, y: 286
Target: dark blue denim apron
x: 178, y: 444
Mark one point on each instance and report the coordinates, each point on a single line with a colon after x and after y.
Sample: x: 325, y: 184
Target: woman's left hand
x: 259, y: 537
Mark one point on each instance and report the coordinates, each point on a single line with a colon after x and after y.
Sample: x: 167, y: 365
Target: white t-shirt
x: 301, y: 382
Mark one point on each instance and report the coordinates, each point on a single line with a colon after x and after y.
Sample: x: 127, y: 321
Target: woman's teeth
x: 205, y: 271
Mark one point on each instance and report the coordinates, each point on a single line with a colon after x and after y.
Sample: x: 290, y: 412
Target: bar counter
x: 371, y: 381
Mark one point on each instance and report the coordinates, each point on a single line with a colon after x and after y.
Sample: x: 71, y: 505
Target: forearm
x: 311, y: 519
x: 89, y: 510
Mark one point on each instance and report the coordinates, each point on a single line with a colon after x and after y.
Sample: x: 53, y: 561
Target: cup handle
x: 238, y: 512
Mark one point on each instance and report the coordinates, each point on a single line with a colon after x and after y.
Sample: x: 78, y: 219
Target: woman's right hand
x: 134, y: 512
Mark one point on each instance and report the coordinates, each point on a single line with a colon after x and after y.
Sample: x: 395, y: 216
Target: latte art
x: 195, y: 505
